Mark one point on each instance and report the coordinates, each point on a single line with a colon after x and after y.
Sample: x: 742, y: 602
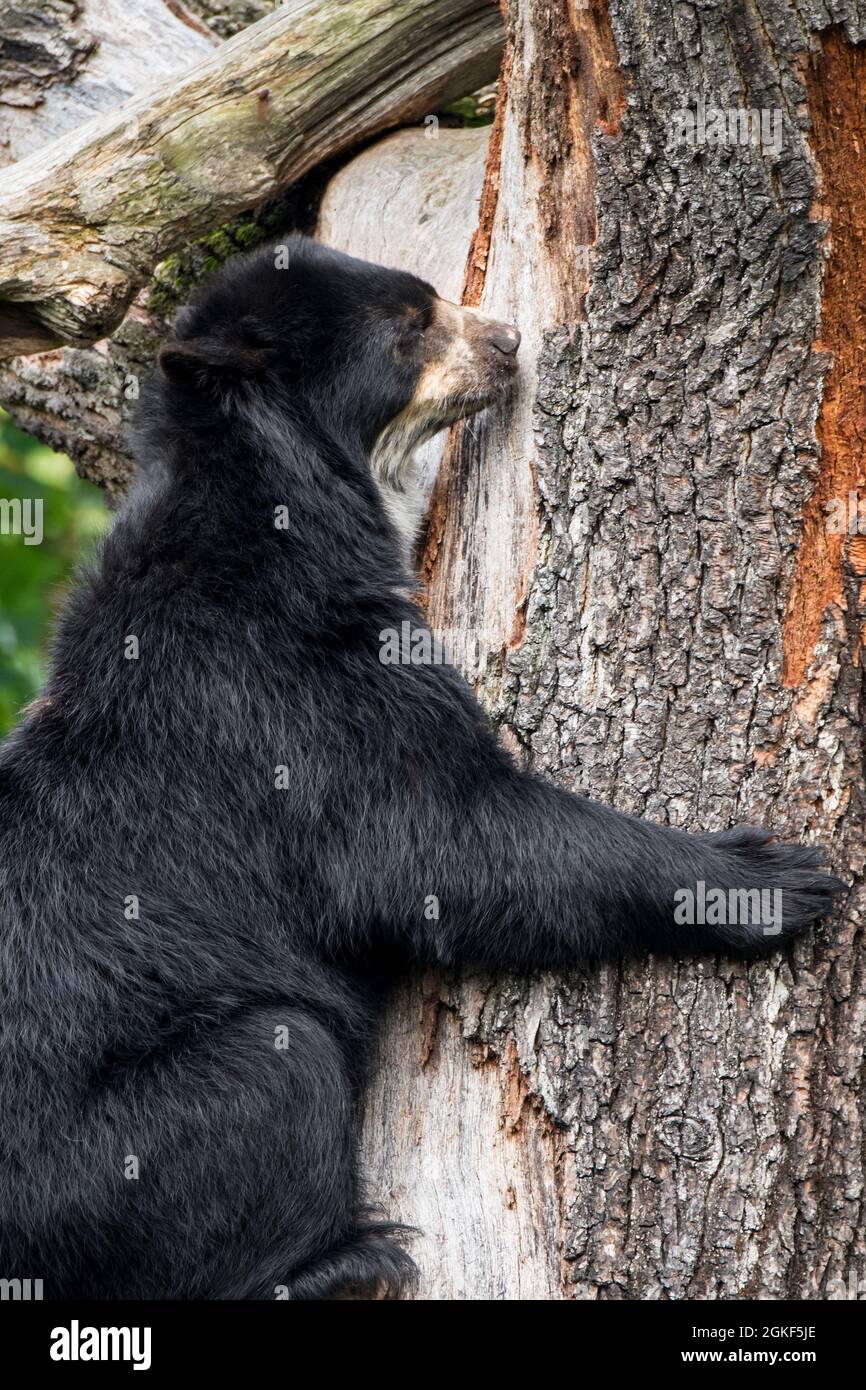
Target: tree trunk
x: 642, y: 555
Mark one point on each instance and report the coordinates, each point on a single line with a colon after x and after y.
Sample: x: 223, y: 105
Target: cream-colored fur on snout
x: 447, y: 390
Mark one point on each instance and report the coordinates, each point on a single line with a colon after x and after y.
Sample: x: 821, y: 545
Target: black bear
x: 227, y: 810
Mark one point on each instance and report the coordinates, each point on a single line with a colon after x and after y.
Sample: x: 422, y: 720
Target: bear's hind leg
x: 210, y: 1172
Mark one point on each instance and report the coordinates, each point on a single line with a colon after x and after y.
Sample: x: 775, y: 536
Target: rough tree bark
x: 667, y: 623
x: 670, y: 627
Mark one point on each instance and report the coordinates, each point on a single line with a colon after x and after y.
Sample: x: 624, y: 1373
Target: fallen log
x: 84, y: 221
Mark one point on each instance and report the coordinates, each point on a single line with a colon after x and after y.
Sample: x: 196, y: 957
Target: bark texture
x: 669, y: 628
x: 84, y: 222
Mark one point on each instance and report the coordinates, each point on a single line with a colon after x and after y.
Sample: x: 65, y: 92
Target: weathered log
x: 83, y: 223
x: 79, y: 400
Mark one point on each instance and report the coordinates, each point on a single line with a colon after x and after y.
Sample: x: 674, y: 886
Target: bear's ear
x: 199, y: 363
x: 182, y: 363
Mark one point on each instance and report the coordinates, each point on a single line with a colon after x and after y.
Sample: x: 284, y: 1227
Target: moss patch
x: 294, y: 211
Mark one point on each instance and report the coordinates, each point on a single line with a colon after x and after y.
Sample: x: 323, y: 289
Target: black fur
x: 261, y: 909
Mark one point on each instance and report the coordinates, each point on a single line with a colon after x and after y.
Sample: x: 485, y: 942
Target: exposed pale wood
x: 83, y: 223
x: 454, y: 1144
x: 451, y: 1143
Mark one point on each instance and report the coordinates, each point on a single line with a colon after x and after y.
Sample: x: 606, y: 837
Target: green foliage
x: 34, y: 578
x: 478, y: 109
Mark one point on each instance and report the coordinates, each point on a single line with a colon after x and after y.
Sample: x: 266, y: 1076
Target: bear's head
x: 374, y: 356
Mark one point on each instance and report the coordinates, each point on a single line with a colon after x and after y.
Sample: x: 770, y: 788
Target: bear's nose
x: 505, y: 338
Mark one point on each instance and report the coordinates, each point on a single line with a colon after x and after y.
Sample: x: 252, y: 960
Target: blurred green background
x: 34, y: 578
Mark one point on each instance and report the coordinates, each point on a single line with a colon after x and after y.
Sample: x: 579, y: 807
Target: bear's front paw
x: 758, y: 892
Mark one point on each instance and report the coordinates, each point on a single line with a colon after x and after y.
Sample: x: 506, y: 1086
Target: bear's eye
x: 409, y: 334
x: 415, y: 320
